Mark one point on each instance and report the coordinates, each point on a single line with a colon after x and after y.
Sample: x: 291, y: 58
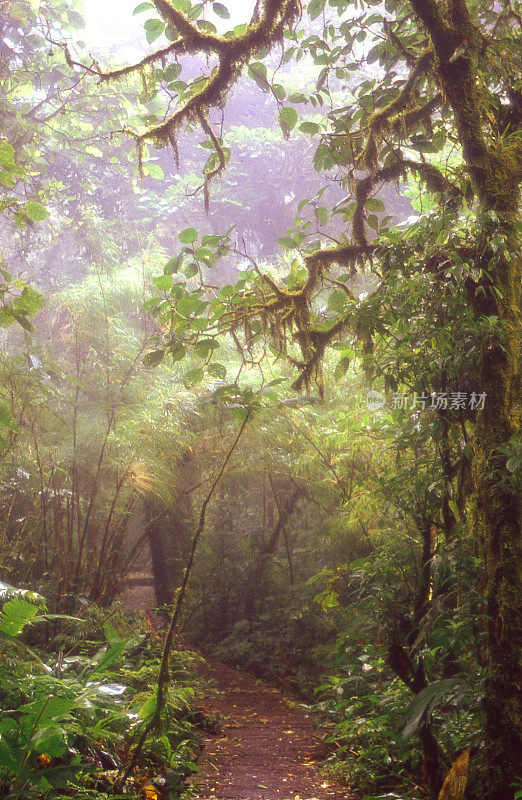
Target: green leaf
x: 7, y: 180
x: 257, y: 71
x: 191, y: 270
x: 288, y: 54
x: 204, y: 25
x: 425, y: 700
x: 188, y: 305
x: 163, y: 282
x: 341, y: 368
x: 287, y: 120
x: 35, y: 211
x: 373, y: 204
x: 153, y: 171
x: 153, y: 29
x: 188, y: 236
x: 194, y: 376
x: 153, y: 358
x: 142, y: 7
x: 220, y: 10
x: 6, y: 419
x: 6, y: 150
x: 279, y: 92
x: 321, y: 215
x: 29, y: 302
x: 172, y: 72
x: 297, y: 97
x: 337, y: 301
x: 178, y: 353
x: 48, y: 708
x: 375, y: 53
x: 309, y: 127
x: 51, y: 740
x: 112, y: 655
x: 315, y: 8
x: 172, y: 266
x: 15, y: 615
x: 217, y: 370
x: 287, y: 242
x: 203, y: 348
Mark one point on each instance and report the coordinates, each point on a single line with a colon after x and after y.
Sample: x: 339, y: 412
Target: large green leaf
x: 424, y: 700
x: 35, y: 211
x: 287, y: 119
x: 188, y: 236
x: 220, y: 10
x: 15, y: 615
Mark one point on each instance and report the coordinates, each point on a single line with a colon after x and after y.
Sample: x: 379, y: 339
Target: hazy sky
x: 111, y: 24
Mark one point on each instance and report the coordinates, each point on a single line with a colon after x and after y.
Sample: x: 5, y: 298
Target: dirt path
x: 267, y: 750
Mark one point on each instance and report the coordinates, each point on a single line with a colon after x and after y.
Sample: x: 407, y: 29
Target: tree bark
x: 268, y: 550
x: 169, y: 535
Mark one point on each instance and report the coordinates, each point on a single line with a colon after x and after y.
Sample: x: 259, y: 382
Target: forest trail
x: 267, y: 749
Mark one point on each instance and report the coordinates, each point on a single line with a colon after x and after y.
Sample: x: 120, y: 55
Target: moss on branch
x: 233, y: 54
x: 381, y: 120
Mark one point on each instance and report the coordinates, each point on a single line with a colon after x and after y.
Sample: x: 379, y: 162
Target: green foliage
x: 366, y: 716
x: 67, y: 712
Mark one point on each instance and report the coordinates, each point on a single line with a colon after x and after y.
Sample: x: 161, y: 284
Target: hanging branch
x: 175, y: 48
x: 233, y: 54
x: 432, y: 177
x: 381, y: 120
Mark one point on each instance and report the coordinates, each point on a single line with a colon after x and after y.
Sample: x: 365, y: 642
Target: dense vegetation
x: 261, y: 310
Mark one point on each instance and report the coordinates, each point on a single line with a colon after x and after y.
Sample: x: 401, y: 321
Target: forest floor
x: 267, y: 748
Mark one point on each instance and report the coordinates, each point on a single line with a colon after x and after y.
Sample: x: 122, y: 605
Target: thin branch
x: 164, y: 675
x: 152, y: 58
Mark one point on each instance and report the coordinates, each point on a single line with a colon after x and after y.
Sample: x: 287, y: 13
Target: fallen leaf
x: 150, y: 792
x: 456, y: 779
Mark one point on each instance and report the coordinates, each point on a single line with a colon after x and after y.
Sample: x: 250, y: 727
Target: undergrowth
x: 72, y: 710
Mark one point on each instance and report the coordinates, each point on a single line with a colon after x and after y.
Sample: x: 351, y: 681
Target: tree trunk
x: 498, y: 523
x: 169, y: 533
x: 496, y: 174
x: 267, y: 551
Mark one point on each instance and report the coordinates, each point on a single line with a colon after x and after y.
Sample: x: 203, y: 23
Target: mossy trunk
x: 494, y: 165
x: 498, y: 517
x: 169, y: 532
x: 498, y: 525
